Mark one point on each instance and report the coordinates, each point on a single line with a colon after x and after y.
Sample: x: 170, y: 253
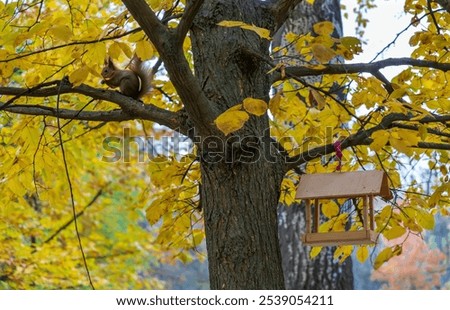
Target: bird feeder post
x: 365, y: 213
x: 371, y: 215
x: 308, y: 216
x: 316, y: 215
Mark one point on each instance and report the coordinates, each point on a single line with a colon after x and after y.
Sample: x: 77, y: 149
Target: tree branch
x: 199, y: 108
x: 100, y: 116
x: 131, y: 109
x: 147, y: 19
x: 191, y: 10
x: 416, y: 128
x: 363, y: 137
x: 280, y: 9
x: 360, y: 67
x: 433, y: 146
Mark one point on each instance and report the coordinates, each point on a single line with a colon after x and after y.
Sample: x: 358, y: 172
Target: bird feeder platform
x: 355, y: 184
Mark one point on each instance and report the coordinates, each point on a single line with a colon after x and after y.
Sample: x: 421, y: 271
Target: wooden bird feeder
x: 356, y: 184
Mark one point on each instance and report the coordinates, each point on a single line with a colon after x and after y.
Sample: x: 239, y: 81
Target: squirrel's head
x: 108, y: 69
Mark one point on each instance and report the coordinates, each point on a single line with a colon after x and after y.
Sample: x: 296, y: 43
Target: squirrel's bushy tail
x: 145, y: 74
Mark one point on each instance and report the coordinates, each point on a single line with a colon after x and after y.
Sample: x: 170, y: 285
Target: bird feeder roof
x: 344, y: 185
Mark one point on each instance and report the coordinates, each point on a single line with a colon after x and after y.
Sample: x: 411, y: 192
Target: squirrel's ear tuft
x: 109, y: 63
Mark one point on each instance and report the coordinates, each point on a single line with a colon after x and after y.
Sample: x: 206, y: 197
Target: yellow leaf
x: 136, y: 37
x: 423, y: 131
x: 262, y: 32
x: 61, y: 32
x: 394, y: 232
x: 155, y: 211
x: 96, y: 53
x: 330, y: 209
x: 342, y: 252
x: 315, y: 251
x: 380, y: 139
x: 362, y: 254
x: 78, y: 76
x: 126, y: 49
x: 256, y: 107
x: 198, y: 236
x: 425, y: 219
x: 398, y: 93
x: 287, y: 193
x: 114, y: 50
x: 318, y: 98
x: 322, y: 53
x: 230, y: 121
x: 324, y: 28
x: 144, y: 50
x: 352, y: 44
x: 274, y: 103
x: 383, y: 257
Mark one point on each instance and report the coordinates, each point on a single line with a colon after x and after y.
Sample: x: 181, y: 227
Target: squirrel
x: 134, y: 83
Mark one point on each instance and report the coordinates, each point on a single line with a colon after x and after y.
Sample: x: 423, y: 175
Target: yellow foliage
x: 262, y: 32
x: 231, y: 120
x: 383, y: 257
x: 362, y: 253
x: 323, y: 28
x: 255, y: 106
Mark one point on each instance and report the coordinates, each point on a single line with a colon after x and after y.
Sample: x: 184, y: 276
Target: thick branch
x: 192, y: 8
x: 360, y: 67
x: 363, y: 137
x: 416, y: 128
x: 197, y: 105
x: 101, y: 116
x: 280, y: 10
x: 434, y: 146
x: 147, y: 19
x: 131, y: 109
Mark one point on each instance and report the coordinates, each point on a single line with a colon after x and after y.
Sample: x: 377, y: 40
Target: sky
x: 385, y: 22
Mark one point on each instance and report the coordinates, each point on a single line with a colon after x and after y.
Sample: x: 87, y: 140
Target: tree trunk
x: 241, y: 225
x: 300, y: 271
x: 240, y: 178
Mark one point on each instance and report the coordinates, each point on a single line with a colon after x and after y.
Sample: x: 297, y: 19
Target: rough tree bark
x: 240, y: 188
x: 300, y: 271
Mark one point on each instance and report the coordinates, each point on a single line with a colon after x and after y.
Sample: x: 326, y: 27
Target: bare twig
x: 72, y: 197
